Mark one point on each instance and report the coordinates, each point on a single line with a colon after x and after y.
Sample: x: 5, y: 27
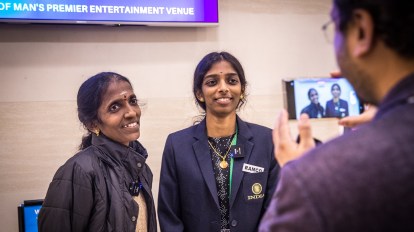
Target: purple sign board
x: 117, y: 12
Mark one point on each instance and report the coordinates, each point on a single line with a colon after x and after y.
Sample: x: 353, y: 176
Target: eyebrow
x: 216, y: 75
x: 121, y: 99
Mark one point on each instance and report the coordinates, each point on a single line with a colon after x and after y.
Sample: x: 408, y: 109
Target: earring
x: 201, y: 99
x: 96, y: 132
x: 241, y: 97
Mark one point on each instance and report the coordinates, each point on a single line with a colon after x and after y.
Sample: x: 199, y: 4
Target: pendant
x: 224, y: 164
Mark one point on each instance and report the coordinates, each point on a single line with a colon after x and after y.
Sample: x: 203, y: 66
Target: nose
x: 223, y: 86
x: 132, y: 111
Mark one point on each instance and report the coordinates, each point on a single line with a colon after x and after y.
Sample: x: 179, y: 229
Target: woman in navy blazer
x: 218, y: 175
x: 336, y: 107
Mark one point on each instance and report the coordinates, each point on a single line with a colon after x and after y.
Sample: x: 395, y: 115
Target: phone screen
x: 321, y: 98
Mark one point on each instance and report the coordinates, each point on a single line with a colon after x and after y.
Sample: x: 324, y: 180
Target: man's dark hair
x: 393, y: 21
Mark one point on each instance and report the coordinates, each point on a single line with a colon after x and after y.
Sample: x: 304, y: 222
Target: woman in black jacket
x: 314, y: 109
x: 106, y: 186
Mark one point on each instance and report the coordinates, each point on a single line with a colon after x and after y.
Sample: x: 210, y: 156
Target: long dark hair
x: 90, y: 98
x: 205, y: 65
x: 309, y: 92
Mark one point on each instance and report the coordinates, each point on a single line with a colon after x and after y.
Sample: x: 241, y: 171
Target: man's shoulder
x: 355, y: 157
x: 364, y: 170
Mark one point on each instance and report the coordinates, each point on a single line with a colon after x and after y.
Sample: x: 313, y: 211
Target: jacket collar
x: 243, y: 130
x: 132, y: 157
x: 202, y: 152
x: 402, y: 93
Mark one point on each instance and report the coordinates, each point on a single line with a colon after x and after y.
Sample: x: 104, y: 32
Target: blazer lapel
x: 243, y: 137
x: 202, y: 152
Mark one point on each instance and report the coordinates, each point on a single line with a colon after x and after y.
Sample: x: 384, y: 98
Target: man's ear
x: 363, y: 25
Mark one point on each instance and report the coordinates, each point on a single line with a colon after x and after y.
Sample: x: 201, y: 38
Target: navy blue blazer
x: 340, y: 113
x: 313, y: 111
x: 187, y: 199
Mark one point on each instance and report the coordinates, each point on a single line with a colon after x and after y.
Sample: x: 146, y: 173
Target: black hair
x: 336, y: 84
x: 393, y: 21
x: 309, y: 92
x: 89, y: 100
x: 205, y: 65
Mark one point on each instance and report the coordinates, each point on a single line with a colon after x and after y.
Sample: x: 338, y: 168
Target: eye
x: 114, y: 107
x: 210, y: 82
x: 233, y: 80
x: 133, y: 101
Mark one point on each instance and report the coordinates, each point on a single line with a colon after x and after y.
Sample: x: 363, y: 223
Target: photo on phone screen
x: 321, y: 98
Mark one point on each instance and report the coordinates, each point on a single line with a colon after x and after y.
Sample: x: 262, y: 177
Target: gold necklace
x: 223, y: 163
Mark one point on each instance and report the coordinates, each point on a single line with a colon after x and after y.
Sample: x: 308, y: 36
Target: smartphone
x: 322, y: 97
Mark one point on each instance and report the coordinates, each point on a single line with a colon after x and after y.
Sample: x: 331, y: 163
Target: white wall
x: 42, y: 67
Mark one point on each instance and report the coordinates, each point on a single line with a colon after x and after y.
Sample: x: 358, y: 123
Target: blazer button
x: 139, y: 165
x: 234, y: 223
x: 133, y: 218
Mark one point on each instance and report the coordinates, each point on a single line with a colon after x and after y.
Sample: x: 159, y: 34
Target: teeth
x: 223, y: 99
x: 134, y: 124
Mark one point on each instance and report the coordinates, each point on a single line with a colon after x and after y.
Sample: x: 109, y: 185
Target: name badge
x: 252, y: 169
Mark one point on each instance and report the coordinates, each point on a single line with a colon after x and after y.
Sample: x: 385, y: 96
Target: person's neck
x: 220, y: 126
x: 393, y: 77
x: 387, y: 70
x: 336, y: 99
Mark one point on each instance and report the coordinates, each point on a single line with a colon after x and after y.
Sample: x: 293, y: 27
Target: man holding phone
x: 363, y: 180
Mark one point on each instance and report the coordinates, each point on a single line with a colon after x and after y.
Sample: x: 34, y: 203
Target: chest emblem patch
x: 257, y: 191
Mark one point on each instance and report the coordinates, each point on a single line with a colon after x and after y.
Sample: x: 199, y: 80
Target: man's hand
x: 286, y: 149
x: 353, y: 121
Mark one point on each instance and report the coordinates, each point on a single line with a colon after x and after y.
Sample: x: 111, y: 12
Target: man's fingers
x: 282, y: 139
x: 275, y: 133
x: 280, y: 128
x: 336, y: 74
x: 284, y: 130
x: 305, y: 132
x: 352, y: 121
